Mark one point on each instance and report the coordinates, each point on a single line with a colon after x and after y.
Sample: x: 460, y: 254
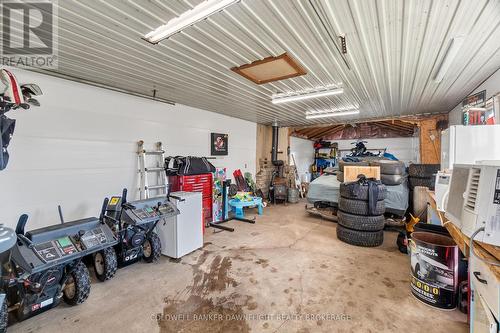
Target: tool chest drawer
x: 196, y: 183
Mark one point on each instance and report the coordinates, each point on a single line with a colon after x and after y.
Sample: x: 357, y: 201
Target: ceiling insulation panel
x: 394, y: 49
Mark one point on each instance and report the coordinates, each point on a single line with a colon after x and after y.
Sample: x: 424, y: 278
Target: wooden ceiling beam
x: 403, y: 127
x: 335, y: 130
x: 401, y: 131
x: 385, y: 126
x: 323, y: 132
x: 397, y: 126
x: 298, y: 135
x: 390, y: 127
x: 308, y: 132
x: 313, y: 132
x: 410, y: 126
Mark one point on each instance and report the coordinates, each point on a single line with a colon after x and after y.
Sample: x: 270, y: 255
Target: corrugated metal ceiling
x: 394, y: 49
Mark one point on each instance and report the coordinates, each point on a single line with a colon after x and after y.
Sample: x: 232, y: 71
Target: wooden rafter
x: 335, y: 130
x: 399, y: 124
x: 324, y: 132
x: 403, y: 127
x: 394, y: 128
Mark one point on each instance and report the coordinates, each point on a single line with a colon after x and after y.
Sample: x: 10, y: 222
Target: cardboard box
x: 351, y: 173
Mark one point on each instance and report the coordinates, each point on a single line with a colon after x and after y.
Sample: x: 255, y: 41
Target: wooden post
x: 430, y: 140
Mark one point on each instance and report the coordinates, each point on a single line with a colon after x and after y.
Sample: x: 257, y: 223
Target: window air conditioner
x: 441, y: 189
x: 474, y: 201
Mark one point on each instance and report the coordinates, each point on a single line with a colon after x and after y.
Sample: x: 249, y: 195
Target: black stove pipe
x: 274, y: 149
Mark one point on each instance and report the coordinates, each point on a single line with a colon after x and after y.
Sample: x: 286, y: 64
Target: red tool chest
x: 196, y: 183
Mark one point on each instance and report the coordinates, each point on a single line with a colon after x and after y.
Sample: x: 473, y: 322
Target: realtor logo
x: 29, y: 31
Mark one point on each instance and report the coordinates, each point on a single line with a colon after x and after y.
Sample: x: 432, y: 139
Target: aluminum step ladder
x: 152, y: 168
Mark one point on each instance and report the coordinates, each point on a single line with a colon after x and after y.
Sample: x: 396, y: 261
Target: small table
x: 237, y: 206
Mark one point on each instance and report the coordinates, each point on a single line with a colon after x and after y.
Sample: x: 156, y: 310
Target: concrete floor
x: 286, y: 273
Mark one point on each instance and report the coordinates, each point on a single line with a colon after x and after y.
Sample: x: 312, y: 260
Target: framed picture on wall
x: 218, y: 144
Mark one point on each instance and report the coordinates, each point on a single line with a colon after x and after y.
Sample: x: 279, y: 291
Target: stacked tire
x: 392, y: 173
x: 423, y: 175
x: 357, y: 225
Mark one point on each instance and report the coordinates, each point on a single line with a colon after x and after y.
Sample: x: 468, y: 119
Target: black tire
x: 340, y: 176
x: 359, y: 207
x: 152, y: 248
x: 400, y: 242
x: 4, y: 316
x: 77, y: 288
x: 360, y: 238
x: 391, y: 180
x: 105, y: 264
x: 342, y: 164
x: 463, y: 296
x: 423, y: 170
x: 347, y: 191
x: 425, y: 182
x: 390, y: 167
x: 361, y: 223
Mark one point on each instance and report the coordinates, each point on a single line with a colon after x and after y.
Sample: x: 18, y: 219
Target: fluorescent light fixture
x: 331, y: 114
x: 350, y: 108
x: 449, y: 56
x: 186, y: 19
x: 284, y: 98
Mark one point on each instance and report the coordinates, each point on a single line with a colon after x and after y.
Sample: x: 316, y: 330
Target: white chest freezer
x: 183, y: 233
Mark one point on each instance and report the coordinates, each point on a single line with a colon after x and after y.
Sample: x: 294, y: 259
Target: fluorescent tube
x: 332, y: 114
x: 192, y: 16
x: 283, y: 98
x: 451, y: 53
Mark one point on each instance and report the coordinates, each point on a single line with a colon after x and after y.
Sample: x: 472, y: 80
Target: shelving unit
x: 321, y: 162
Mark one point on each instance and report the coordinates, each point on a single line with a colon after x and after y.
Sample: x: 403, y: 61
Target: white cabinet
x: 183, y: 233
x: 485, y: 299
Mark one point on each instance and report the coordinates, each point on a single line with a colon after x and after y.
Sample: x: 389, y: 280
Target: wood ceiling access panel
x: 270, y: 69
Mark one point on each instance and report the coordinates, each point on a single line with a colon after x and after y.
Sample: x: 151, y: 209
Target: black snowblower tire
x: 360, y: 238
x: 391, y: 180
x: 105, y: 264
x: 342, y: 164
x: 361, y: 223
x: 390, y: 167
x: 77, y: 288
x: 154, y: 252
x: 346, y: 191
x: 423, y: 170
x: 359, y: 207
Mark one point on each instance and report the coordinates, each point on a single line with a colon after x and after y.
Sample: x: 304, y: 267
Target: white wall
x: 304, y: 155
x: 405, y: 149
x: 492, y: 87
x: 81, y: 144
